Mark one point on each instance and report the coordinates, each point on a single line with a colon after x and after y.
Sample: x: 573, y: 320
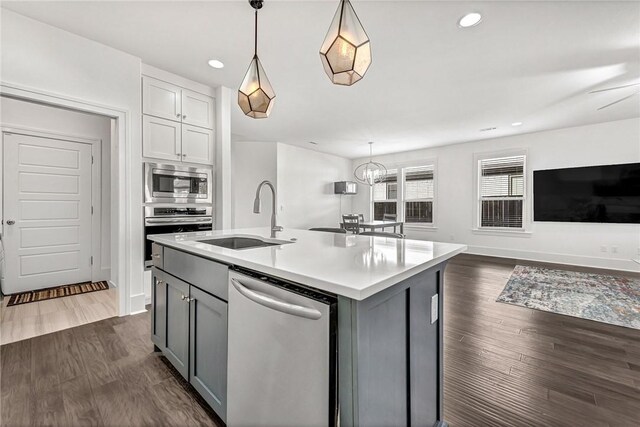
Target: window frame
x: 478, y: 158
x: 400, y: 194
x: 373, y: 201
x: 432, y: 199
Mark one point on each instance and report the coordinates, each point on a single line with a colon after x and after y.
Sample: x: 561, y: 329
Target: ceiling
x: 430, y: 83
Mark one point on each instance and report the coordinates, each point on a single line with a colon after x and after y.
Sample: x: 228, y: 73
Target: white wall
x: 44, y: 118
x: 305, y: 187
x: 303, y: 179
x: 252, y: 163
x: 48, y: 60
x: 571, y: 243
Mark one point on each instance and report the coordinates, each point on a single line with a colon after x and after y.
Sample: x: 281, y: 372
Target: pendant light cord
x: 255, y: 36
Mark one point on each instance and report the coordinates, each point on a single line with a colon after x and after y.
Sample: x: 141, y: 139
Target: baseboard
x: 577, y: 260
x: 138, y: 303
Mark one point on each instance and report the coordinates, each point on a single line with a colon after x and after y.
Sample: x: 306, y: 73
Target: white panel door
x: 47, y: 212
x: 161, y: 99
x: 197, y: 145
x: 197, y: 109
x: 161, y: 139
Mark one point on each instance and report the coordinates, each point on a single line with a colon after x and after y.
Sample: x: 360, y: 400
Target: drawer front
x: 156, y: 255
x: 210, y: 276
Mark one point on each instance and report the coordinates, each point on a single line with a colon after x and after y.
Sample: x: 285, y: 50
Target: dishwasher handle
x: 276, y: 304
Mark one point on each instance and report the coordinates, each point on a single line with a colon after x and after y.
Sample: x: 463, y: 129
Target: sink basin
x: 238, y: 243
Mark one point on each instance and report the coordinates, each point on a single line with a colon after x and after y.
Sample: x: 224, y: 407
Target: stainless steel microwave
x: 166, y: 183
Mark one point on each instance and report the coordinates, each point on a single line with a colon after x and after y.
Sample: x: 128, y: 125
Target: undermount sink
x: 238, y: 243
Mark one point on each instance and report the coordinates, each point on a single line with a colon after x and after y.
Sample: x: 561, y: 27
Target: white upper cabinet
x: 161, y: 99
x: 177, y: 123
x: 172, y: 102
x: 197, y: 145
x: 197, y: 109
x: 161, y: 139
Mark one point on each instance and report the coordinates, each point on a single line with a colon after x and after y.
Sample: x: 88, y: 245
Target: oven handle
x: 158, y: 221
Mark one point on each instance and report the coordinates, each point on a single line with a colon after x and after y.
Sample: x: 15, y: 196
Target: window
x: 501, y: 192
x: 418, y: 195
x: 385, y: 195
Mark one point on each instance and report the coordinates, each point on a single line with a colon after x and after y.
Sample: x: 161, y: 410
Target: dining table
x: 382, y: 224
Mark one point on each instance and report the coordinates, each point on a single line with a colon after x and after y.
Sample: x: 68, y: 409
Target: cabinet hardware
x: 178, y: 115
x: 184, y: 117
x: 10, y: 222
x: 184, y: 155
x: 159, y: 282
x: 155, y: 255
x: 183, y: 297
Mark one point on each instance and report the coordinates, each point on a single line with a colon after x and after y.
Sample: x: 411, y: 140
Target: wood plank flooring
x: 23, y: 321
x: 504, y: 366
x: 512, y: 366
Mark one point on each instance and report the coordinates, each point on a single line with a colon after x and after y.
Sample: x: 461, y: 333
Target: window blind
x: 502, y: 192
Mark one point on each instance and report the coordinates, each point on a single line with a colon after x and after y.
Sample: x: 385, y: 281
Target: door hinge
x: 92, y: 260
x: 91, y: 159
x: 91, y: 210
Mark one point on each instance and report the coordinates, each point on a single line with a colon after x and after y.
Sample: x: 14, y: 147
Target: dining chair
x: 329, y: 230
x: 382, y: 234
x: 351, y: 223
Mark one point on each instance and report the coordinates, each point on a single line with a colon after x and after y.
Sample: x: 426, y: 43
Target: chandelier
x: 370, y: 173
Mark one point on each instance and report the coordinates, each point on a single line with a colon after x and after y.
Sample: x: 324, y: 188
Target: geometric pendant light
x: 370, y: 173
x: 255, y: 95
x: 346, y: 50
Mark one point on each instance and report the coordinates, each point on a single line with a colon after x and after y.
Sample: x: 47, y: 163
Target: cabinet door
x: 177, y: 340
x: 161, y: 99
x: 161, y: 139
x: 158, y: 309
x: 197, y: 145
x: 197, y: 109
x: 208, y: 349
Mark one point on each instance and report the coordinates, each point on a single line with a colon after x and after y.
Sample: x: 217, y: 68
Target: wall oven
x: 174, y: 219
x: 165, y: 183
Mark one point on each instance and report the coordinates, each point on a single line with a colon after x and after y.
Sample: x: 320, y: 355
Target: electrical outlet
x: 614, y: 249
x: 603, y: 248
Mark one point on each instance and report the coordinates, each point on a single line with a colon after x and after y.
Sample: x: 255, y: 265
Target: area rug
x: 56, y: 292
x: 608, y: 299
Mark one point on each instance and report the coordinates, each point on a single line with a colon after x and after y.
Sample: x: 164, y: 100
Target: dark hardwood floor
x: 504, y: 366
x: 512, y: 366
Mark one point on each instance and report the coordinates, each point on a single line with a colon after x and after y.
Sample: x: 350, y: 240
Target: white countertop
x: 343, y: 264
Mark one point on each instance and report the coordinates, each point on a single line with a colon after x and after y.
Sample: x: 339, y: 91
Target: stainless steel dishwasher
x: 282, y: 368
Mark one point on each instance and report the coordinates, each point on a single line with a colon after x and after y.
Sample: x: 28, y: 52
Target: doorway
x: 57, y: 217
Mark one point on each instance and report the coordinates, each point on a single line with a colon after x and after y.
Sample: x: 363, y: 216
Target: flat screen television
x: 606, y: 194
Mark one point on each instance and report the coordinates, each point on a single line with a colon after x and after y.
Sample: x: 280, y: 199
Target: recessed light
x: 470, y: 20
x: 215, y: 63
x: 516, y: 124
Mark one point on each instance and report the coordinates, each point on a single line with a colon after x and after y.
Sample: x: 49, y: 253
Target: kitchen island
x: 308, y: 328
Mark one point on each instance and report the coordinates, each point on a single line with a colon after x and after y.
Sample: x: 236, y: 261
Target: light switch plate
x: 434, y: 309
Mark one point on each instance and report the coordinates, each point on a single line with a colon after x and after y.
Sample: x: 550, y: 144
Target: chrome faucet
x: 257, y: 206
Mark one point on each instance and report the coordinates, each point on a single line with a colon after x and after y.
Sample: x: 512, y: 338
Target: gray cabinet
x: 159, y: 309
x: 189, y: 321
x: 392, y: 341
x: 208, y: 349
x: 177, y: 334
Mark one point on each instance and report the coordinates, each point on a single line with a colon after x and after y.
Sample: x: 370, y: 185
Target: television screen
x: 609, y: 194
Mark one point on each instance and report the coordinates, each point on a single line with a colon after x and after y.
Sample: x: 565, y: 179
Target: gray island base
x: 382, y: 361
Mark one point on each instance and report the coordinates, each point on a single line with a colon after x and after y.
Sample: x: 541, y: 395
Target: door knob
x: 10, y: 222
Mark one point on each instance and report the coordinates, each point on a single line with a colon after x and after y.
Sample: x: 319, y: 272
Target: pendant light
x: 255, y: 95
x: 346, y: 50
x: 370, y: 173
